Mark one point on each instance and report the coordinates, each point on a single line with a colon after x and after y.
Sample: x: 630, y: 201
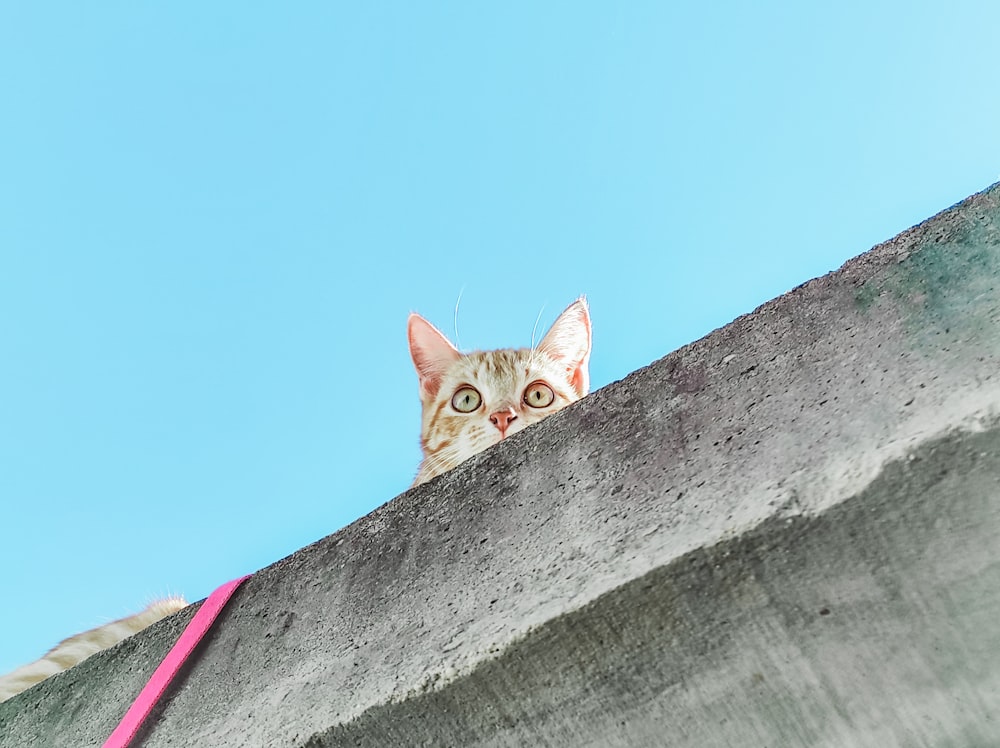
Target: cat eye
x: 466, y: 400
x: 539, y: 395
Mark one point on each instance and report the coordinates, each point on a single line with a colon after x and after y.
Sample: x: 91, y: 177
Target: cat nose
x: 502, y: 418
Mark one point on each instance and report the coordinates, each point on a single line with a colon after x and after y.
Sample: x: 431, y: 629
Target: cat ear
x: 432, y: 354
x: 568, y: 342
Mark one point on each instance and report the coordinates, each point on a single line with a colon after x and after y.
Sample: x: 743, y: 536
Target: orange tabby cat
x: 77, y: 648
x: 473, y: 400
x: 470, y: 401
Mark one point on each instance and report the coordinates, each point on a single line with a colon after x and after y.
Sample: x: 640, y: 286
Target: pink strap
x: 164, y: 674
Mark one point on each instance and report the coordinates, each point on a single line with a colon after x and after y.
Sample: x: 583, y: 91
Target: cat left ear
x: 432, y: 354
x: 568, y: 342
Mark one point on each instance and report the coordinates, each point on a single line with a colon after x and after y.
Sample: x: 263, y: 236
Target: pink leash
x: 158, y: 683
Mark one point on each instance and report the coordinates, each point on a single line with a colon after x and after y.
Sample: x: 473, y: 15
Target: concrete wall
x: 783, y: 534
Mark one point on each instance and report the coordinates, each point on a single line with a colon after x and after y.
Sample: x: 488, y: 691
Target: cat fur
x: 501, y: 378
x: 77, y: 648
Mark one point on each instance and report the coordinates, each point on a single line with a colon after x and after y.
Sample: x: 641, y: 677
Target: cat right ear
x: 568, y: 342
x: 432, y: 354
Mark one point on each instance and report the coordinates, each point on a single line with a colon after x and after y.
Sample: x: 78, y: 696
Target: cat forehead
x: 499, y: 368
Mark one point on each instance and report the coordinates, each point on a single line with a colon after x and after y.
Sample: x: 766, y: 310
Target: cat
x: 76, y: 649
x: 471, y: 401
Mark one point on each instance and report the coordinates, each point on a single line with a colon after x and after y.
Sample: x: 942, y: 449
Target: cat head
x: 473, y: 400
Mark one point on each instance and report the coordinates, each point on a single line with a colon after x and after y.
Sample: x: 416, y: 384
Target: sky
x: 216, y: 217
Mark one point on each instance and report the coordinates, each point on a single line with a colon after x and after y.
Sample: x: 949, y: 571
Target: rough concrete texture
x: 783, y: 534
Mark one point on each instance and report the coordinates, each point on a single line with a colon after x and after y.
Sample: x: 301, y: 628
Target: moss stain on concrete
x: 947, y: 284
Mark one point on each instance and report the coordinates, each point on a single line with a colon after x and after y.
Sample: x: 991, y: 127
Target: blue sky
x: 215, y: 218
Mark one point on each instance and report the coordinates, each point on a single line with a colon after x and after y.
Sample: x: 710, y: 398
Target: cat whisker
x: 534, y: 327
x: 458, y: 338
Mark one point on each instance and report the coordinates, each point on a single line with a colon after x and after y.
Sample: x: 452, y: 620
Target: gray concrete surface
x: 784, y: 534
